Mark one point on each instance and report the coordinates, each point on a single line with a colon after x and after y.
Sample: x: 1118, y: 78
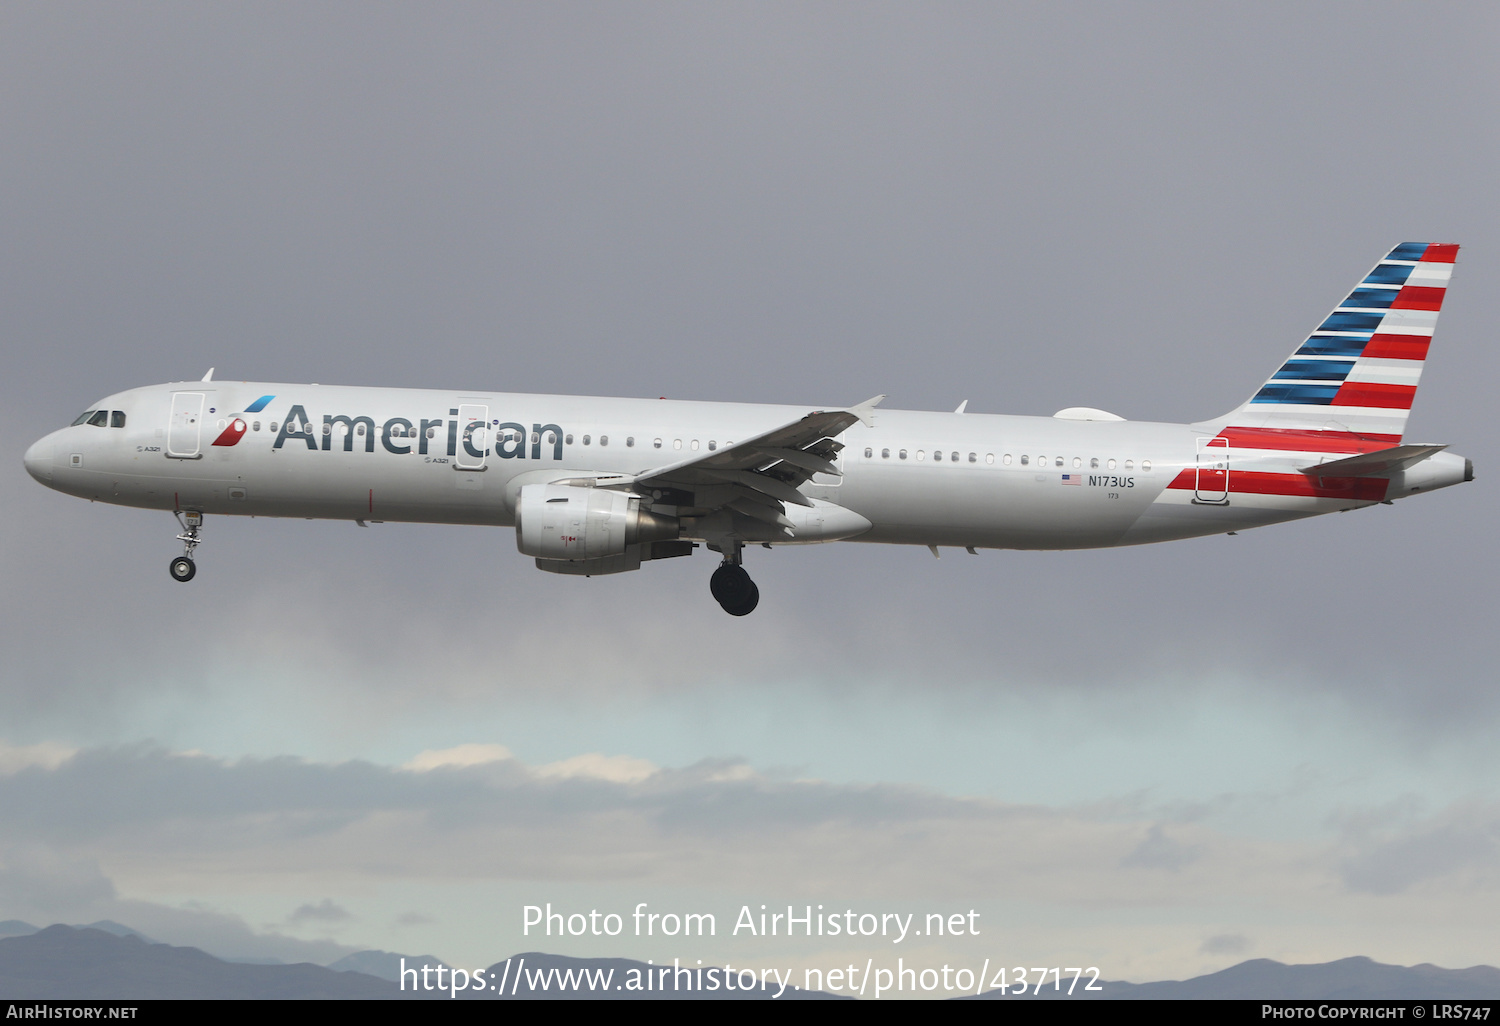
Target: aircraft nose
x: 39, y: 460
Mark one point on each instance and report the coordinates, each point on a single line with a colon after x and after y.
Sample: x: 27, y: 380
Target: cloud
x: 45, y: 885
x: 37, y: 880
x: 325, y: 911
x: 192, y: 821
x: 167, y: 823
x: 1225, y: 944
x: 459, y: 756
x: 619, y: 769
x: 47, y: 755
x: 1158, y: 851
x: 1460, y: 843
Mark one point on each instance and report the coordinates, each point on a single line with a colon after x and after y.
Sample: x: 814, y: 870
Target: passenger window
x: 117, y: 419
x: 1077, y: 461
x: 677, y: 443
x: 551, y: 437
x: 903, y: 454
x: 1059, y: 461
x: 99, y: 419
x: 629, y: 441
x: 921, y: 454
x: 432, y: 432
x: 869, y: 453
x: 83, y: 418
x: 256, y: 426
x: 587, y: 439
x: 989, y: 457
x: 954, y: 457
x: 885, y: 454
x: 1128, y: 464
x: 603, y: 439
x: 656, y: 444
x: 1111, y: 464
x: 568, y: 438
x: 1025, y: 460
x: 359, y: 430
x: 712, y: 445
x: 1146, y: 465
x: 1094, y: 463
x: 937, y: 454
x: 693, y: 445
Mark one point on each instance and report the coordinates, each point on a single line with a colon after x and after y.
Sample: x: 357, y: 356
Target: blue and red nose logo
x: 236, y: 429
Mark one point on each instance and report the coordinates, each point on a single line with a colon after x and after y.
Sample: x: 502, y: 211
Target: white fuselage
x: 942, y: 479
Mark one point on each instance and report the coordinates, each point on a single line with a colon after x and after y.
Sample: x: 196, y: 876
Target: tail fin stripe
x: 1386, y: 273
x: 1332, y: 345
x: 1387, y: 372
x: 1371, y: 297
x: 1420, y: 297
x: 1346, y: 320
x: 1413, y: 250
x: 1430, y: 274
x: 1298, y: 369
x: 1386, y: 397
x: 1297, y: 393
x: 1293, y: 439
x: 1398, y: 347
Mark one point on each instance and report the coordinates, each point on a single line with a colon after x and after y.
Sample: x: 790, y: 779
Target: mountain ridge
x: 66, y: 962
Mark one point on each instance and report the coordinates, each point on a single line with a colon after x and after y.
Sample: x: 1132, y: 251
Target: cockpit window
x: 117, y: 418
x: 83, y: 418
x: 99, y: 419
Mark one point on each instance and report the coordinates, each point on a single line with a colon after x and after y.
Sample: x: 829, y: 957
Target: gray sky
x: 1276, y: 745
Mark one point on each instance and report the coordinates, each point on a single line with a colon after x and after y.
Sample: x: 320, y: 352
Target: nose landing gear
x: 733, y: 589
x: 183, y: 568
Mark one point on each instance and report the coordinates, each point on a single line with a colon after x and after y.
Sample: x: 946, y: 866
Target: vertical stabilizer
x: 1358, y: 372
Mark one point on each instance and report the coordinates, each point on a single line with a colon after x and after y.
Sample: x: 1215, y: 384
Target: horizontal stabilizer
x: 1382, y: 463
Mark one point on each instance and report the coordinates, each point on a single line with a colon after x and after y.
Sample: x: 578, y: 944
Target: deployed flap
x: 773, y: 463
x: 1381, y: 463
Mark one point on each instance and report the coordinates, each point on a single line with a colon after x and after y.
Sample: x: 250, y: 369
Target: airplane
x: 599, y: 486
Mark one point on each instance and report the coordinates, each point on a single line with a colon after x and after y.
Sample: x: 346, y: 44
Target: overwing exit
x: 598, y: 485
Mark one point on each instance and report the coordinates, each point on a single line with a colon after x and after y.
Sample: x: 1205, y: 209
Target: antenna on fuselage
x: 209, y: 376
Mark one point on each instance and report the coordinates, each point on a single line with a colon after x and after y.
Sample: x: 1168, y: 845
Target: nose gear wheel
x: 183, y: 568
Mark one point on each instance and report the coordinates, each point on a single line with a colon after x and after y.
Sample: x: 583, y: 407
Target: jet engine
x: 572, y: 523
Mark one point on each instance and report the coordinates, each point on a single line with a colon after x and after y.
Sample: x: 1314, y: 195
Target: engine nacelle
x: 573, y: 523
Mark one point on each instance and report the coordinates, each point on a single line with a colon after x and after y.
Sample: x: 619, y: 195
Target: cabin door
x: 1212, y: 485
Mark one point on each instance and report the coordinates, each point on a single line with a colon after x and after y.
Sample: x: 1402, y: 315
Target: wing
x: 754, y: 478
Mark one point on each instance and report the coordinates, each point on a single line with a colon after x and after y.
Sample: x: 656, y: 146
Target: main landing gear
x: 183, y: 568
x: 733, y: 588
